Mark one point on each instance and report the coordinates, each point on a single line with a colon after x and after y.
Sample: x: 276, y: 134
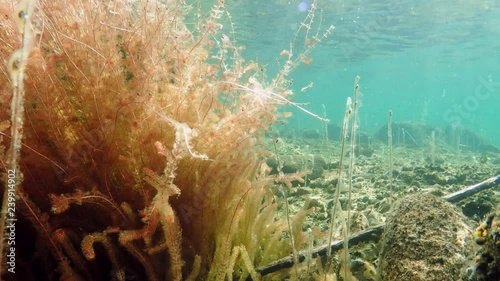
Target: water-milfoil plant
x: 138, y: 150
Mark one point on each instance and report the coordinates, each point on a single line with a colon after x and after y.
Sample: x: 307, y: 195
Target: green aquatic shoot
x: 325, y: 125
x: 336, y: 204
x: 351, y: 168
x: 389, y: 144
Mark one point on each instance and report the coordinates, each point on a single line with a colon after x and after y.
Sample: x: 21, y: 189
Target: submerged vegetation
x: 136, y: 146
x: 140, y: 143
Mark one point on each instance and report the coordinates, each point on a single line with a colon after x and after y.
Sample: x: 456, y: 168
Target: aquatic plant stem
x: 16, y: 67
x: 351, y: 167
x: 325, y: 125
x: 389, y: 144
x: 339, y: 182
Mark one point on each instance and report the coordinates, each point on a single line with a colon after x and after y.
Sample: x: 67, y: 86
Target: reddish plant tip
x: 59, y: 203
x: 60, y: 235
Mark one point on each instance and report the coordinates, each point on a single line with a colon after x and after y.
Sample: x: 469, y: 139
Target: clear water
x: 436, y: 62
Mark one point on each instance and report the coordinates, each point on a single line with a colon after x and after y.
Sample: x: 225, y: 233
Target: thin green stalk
x: 325, y: 125
x: 389, y: 144
x: 351, y: 167
x: 339, y: 182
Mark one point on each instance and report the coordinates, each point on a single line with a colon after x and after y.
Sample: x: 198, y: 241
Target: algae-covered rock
x: 487, y: 259
x: 295, y: 163
x: 425, y: 238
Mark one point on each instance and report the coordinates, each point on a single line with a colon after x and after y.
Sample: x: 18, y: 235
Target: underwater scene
x: 325, y: 140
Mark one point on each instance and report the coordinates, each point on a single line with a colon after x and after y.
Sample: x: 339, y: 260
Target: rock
x: 365, y: 150
x: 317, y: 203
x: 478, y: 206
x: 425, y: 238
x: 407, y: 168
x: 318, y: 167
x: 329, y: 184
x: 300, y: 192
x: 296, y: 163
x: 461, y: 138
x: 488, y: 148
x: 408, y: 134
x: 311, y: 134
x: 334, y: 132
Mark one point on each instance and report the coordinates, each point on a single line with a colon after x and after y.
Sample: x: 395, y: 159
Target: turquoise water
x: 436, y: 62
